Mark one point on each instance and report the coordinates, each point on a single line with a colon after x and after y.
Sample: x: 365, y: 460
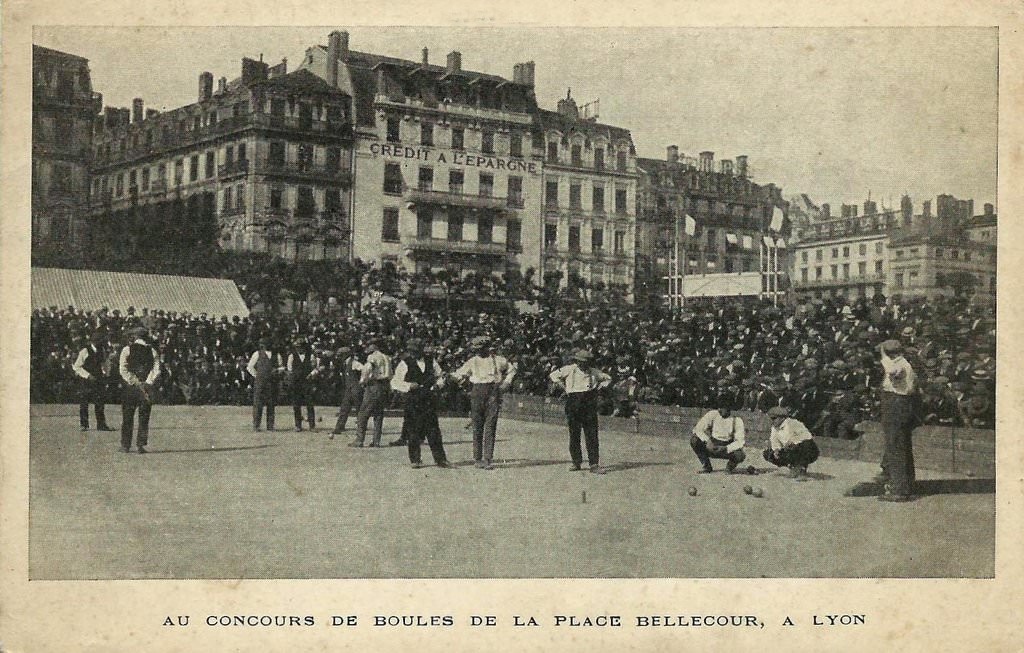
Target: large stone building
x: 447, y: 173
x: 262, y: 163
x: 897, y: 253
x: 63, y: 108
x: 733, y: 216
x: 590, y: 183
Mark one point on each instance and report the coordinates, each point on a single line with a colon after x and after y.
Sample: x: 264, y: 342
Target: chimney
x: 333, y: 55
x: 454, y: 61
x: 151, y: 113
x: 138, y: 114
x: 205, y: 86
x: 529, y: 68
x: 870, y: 208
x: 970, y: 210
x: 726, y: 166
x: 926, y: 209
x: 741, y: 165
x: 672, y: 154
x: 568, y: 107
x: 222, y: 85
x: 426, y: 56
x: 826, y: 211
x: 707, y: 161
x: 990, y: 210
x: 253, y: 71
x: 517, y: 74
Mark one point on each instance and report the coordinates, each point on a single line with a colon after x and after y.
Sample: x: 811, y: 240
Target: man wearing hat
x: 581, y: 382
x: 719, y: 434
x: 897, y: 415
x: 139, y: 367
x: 303, y: 370
x: 375, y: 378
x: 418, y: 376
x: 349, y: 372
x: 790, y: 444
x: 88, y: 367
x: 490, y: 376
x: 265, y: 368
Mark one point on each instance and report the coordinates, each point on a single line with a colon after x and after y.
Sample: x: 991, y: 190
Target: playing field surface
x: 213, y: 499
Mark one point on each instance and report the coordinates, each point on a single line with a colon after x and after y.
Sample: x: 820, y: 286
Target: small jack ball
x: 758, y: 492
x: 747, y: 489
x: 692, y: 491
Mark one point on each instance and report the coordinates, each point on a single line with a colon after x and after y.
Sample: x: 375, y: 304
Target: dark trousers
x: 263, y: 395
x: 484, y: 407
x: 351, y: 397
x: 705, y: 455
x: 581, y: 412
x: 375, y: 395
x: 302, y: 396
x: 92, y: 391
x: 801, y: 455
x: 421, y: 421
x: 133, y: 399
x: 897, y: 417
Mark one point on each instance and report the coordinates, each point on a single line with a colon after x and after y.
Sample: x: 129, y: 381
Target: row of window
x: 457, y: 138
x: 576, y: 156
x: 456, y: 219
x: 862, y: 250
x: 305, y: 200
x: 862, y: 271
x: 596, y: 239
x: 576, y: 197
x: 394, y: 183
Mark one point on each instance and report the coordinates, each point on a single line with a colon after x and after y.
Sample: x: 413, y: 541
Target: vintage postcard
x: 509, y: 328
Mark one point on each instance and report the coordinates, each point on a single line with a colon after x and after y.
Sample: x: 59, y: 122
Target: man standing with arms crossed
x: 581, y: 381
x: 351, y: 392
x: 139, y: 366
x: 264, y: 367
x: 375, y: 380
x: 490, y: 376
x: 88, y: 367
x: 418, y: 375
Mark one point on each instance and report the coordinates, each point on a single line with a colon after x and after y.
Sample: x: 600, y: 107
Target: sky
x: 834, y: 113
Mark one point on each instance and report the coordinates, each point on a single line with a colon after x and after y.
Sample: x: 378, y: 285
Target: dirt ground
x: 215, y: 500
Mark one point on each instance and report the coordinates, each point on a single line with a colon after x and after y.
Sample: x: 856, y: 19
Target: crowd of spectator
x: 819, y: 358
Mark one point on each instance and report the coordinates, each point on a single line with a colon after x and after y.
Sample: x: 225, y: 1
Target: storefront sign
x: 455, y: 158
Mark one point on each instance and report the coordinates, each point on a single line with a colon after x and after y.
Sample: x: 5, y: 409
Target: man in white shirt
x: 375, y: 379
x: 897, y: 415
x: 265, y: 368
x: 490, y: 376
x: 719, y: 434
x: 139, y: 367
x: 88, y: 367
x: 418, y: 376
x: 581, y: 382
x: 790, y: 444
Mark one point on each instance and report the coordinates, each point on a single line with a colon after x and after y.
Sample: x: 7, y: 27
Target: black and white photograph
x: 354, y: 302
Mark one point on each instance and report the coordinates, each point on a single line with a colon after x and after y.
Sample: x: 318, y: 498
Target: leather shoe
x: 125, y: 450
x: 397, y: 443
x: 104, y: 428
x: 597, y: 469
x: 575, y: 468
x: 895, y: 498
x: 444, y: 465
x: 417, y: 465
x: 143, y: 450
x: 707, y: 469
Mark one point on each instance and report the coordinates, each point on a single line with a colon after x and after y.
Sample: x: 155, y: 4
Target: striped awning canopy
x: 92, y: 289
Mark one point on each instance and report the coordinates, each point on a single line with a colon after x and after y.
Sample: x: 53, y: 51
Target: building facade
x: 447, y: 172
x: 896, y: 253
x: 732, y: 213
x: 590, y: 183
x: 63, y: 108
x: 264, y: 163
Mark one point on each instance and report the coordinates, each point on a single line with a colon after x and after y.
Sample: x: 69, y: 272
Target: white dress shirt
x: 78, y: 367
x: 791, y: 432
x: 376, y: 368
x: 899, y: 376
x: 576, y: 380
x: 487, y: 369
x: 721, y: 429
x: 251, y: 367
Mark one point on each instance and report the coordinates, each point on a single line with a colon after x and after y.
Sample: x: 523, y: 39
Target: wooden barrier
x: 936, y: 448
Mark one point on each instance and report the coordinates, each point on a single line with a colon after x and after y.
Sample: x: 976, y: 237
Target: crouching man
x: 790, y: 444
x: 719, y: 434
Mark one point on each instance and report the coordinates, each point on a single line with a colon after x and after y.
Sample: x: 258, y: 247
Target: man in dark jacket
x: 139, y: 366
x: 92, y: 381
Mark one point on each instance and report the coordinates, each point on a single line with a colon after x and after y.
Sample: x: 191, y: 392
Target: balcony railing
x: 305, y: 170
x: 241, y: 166
x: 426, y: 243
x: 515, y: 202
x: 455, y: 199
x: 849, y: 281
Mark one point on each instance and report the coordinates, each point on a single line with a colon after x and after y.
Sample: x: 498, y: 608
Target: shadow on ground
x: 931, y: 488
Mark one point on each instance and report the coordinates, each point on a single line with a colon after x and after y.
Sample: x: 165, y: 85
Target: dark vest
x: 424, y: 378
x: 264, y: 366
x: 301, y: 368
x: 348, y: 372
x: 93, y: 362
x: 140, y: 360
